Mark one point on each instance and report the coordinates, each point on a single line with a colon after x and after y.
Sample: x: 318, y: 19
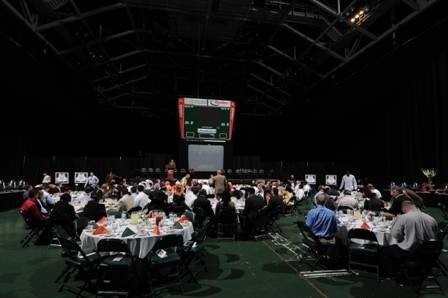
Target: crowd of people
x: 411, y: 227
x: 48, y: 204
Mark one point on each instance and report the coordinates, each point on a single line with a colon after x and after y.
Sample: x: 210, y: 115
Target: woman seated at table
x: 93, y: 210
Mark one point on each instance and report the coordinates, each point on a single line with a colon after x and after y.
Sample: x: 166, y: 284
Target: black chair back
x: 308, y: 237
x: 427, y: 252
x: 443, y: 230
x: 362, y: 234
x: 169, y: 241
x: 113, y: 245
x: 70, y: 246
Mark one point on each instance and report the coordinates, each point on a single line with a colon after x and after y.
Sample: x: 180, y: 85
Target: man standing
x: 348, y: 182
x: 409, y: 229
x: 92, y: 181
x: 220, y: 182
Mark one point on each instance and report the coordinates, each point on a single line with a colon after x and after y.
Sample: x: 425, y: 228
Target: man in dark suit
x: 253, y: 205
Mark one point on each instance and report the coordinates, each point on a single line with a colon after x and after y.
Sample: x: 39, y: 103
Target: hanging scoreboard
x: 206, y: 119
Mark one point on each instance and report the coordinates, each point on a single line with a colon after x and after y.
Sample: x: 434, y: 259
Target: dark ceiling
x: 265, y: 54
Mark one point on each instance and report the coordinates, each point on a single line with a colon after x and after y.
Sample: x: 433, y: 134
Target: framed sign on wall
x: 61, y: 178
x: 331, y: 179
x: 310, y: 179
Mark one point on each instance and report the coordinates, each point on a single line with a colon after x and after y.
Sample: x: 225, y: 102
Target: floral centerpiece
x: 430, y: 174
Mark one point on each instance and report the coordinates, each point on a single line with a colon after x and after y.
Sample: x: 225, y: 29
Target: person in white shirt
x: 141, y: 199
x: 372, y: 189
x: 348, y: 182
x: 92, y: 180
x: 306, y: 188
x: 126, y: 202
x: 347, y: 200
x: 298, y: 191
x: 190, y: 196
x: 46, y: 179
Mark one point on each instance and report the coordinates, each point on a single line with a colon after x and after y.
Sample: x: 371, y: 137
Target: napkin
x: 365, y: 226
x: 127, y: 232
x: 177, y: 226
x: 101, y: 221
x: 100, y: 231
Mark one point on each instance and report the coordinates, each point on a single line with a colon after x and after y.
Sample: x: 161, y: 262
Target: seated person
x: 371, y: 188
x: 252, y: 206
x: 141, y: 199
x: 126, y: 202
x: 226, y: 214
x: 287, y: 196
x: 273, y: 201
x: 32, y: 211
x: 322, y: 221
x: 372, y: 202
x: 93, y: 210
x: 179, y: 206
x: 64, y: 214
x: 409, y: 229
x: 347, y: 200
x: 203, y: 203
x: 396, y: 198
x: 158, y: 199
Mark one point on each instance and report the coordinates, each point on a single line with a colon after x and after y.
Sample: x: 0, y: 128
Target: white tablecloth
x: 139, y: 245
x: 379, y: 227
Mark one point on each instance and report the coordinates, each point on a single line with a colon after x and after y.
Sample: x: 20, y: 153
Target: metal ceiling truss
x: 324, y: 39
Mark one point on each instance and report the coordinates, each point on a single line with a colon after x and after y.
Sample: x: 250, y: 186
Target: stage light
x: 352, y: 20
x: 357, y: 16
x: 361, y: 12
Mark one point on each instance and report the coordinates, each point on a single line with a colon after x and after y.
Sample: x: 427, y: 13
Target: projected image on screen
x: 205, y: 158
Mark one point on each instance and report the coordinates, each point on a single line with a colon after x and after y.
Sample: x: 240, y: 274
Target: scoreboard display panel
x: 206, y: 119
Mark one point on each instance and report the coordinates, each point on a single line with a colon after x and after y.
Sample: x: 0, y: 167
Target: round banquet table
x: 140, y: 244
x: 379, y: 226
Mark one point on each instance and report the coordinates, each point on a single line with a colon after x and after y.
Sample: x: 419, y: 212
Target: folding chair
x: 316, y: 251
x: 166, y: 255
x: 420, y: 263
x: 115, y: 268
x: 363, y: 250
x: 34, y: 229
x: 77, y: 261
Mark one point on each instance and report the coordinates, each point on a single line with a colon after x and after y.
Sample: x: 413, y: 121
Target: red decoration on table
x: 183, y: 218
x: 365, y: 226
x: 100, y: 231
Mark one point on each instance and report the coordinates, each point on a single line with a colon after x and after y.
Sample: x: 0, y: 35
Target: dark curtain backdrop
x: 384, y: 122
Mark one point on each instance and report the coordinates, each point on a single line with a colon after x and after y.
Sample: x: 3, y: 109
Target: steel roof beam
x: 123, y: 84
x: 317, y: 44
x: 344, y: 19
x: 80, y: 17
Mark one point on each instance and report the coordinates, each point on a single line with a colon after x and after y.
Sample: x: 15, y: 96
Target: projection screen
x: 205, y: 158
